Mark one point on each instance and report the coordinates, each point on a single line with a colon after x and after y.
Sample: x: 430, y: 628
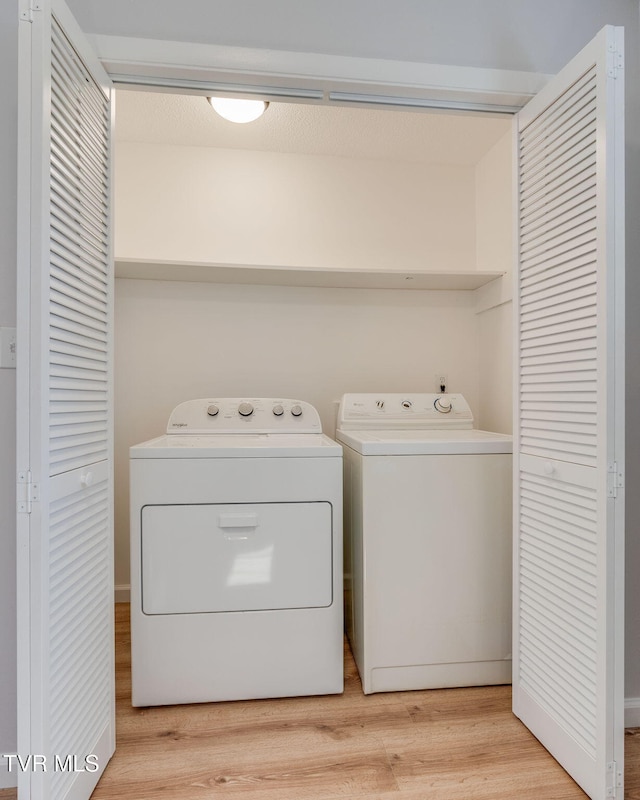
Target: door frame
x: 190, y: 68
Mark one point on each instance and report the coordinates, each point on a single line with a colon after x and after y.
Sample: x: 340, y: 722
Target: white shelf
x: 301, y: 276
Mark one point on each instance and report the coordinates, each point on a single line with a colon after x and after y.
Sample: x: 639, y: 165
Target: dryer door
x: 236, y: 557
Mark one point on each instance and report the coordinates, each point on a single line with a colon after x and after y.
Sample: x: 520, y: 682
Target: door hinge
x: 615, y: 61
x: 27, y: 9
x: 615, y: 480
x: 27, y: 492
x: 615, y: 779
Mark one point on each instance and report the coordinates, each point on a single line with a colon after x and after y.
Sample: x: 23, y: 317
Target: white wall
x: 177, y: 341
x: 495, y: 251
x: 241, y: 206
x: 8, y: 144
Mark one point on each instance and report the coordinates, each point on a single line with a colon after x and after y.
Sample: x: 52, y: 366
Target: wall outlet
x: 442, y: 385
x: 8, y: 348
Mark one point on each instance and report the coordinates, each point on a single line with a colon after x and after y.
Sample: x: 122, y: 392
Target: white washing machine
x: 236, y: 555
x: 427, y: 542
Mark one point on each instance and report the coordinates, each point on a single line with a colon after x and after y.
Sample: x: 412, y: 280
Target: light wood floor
x: 450, y: 744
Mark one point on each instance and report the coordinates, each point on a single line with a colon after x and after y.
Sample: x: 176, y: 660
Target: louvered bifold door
x: 66, y: 696
x: 569, y: 433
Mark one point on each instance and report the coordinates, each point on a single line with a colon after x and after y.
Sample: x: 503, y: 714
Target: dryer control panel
x: 383, y: 411
x: 244, y: 415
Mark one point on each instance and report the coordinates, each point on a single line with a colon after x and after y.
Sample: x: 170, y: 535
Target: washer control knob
x: 245, y: 409
x: 212, y: 410
x: 406, y: 404
x: 296, y: 410
x: 278, y: 410
x: 443, y: 405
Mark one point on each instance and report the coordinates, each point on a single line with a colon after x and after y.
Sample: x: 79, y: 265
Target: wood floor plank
x: 448, y: 744
x: 332, y: 719
x: 491, y: 758
x: 286, y: 768
x: 471, y: 704
x: 467, y: 743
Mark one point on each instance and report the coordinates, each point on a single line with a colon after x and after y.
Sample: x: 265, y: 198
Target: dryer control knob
x: 212, y: 410
x: 443, y: 405
x: 278, y: 410
x: 296, y: 410
x: 245, y: 409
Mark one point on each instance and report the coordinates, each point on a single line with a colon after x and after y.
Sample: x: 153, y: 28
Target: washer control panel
x: 382, y: 411
x: 244, y: 415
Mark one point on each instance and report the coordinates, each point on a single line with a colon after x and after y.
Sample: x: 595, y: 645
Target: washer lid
x: 425, y: 442
x: 238, y: 445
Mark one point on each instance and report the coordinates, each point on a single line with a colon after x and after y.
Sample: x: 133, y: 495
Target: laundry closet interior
x: 316, y: 251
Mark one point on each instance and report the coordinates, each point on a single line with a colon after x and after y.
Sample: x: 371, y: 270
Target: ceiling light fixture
x: 237, y: 110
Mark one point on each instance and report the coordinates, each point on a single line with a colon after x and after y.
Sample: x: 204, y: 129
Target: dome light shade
x: 237, y: 110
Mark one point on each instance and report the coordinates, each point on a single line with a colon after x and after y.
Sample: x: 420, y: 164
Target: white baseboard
x: 122, y: 593
x: 8, y: 780
x: 632, y: 712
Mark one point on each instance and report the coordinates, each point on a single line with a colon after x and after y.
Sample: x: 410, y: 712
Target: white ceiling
x: 414, y: 136
x: 530, y: 35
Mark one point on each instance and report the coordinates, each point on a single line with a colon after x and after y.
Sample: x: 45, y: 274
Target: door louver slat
x: 547, y: 284
x: 544, y: 236
x: 63, y: 257
x: 545, y: 180
x: 566, y: 191
x: 563, y: 298
x: 76, y: 223
x: 70, y: 274
x: 553, y: 350
x: 571, y: 161
x: 575, y: 209
x: 581, y: 256
x: 75, y: 250
x: 566, y: 336
x: 68, y: 341
x: 76, y: 173
x: 536, y: 131
x: 563, y: 250
x: 568, y: 137
x: 562, y: 138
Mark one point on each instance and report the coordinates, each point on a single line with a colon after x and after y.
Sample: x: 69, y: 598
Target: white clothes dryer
x: 427, y: 542
x: 236, y: 555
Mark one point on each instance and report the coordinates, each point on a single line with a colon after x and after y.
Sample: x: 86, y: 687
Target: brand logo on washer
x: 179, y: 424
